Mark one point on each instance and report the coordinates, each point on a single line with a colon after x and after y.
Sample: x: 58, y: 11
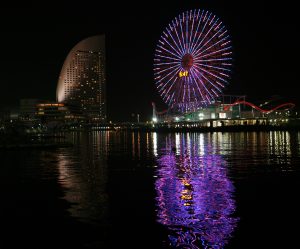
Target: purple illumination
x: 194, y: 195
x: 193, y: 54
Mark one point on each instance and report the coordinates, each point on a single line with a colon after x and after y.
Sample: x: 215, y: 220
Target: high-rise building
x: 82, y: 79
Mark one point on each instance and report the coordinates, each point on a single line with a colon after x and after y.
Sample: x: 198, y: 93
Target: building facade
x: 82, y: 81
x: 28, y: 108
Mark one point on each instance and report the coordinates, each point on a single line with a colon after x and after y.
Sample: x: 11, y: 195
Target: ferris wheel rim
x: 192, y: 60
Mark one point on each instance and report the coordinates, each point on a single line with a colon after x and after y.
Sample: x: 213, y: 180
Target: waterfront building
x: 230, y: 110
x: 28, y: 108
x: 58, y: 112
x: 82, y: 81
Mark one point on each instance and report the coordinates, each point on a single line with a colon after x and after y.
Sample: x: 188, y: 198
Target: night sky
x: 36, y: 38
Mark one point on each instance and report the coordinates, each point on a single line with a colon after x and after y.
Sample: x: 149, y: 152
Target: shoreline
x: 240, y: 128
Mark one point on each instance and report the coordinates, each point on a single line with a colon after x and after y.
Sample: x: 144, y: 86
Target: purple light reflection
x: 194, y: 195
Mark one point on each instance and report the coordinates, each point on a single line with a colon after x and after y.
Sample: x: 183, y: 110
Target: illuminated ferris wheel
x: 192, y: 60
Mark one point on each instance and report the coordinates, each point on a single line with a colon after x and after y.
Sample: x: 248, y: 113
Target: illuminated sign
x: 222, y: 115
x: 50, y: 105
x: 183, y: 74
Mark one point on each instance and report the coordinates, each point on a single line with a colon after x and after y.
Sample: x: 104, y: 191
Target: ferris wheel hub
x: 187, y: 61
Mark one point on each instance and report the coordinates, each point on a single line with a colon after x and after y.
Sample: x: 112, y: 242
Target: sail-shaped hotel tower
x: 82, y: 81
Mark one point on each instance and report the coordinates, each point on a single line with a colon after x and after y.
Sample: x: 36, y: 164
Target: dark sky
x: 36, y: 38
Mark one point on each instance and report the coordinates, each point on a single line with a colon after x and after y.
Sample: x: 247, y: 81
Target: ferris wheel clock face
x: 192, y: 61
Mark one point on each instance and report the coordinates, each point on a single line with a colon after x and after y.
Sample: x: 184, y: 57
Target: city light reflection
x: 83, y: 175
x: 154, y: 139
x: 194, y: 195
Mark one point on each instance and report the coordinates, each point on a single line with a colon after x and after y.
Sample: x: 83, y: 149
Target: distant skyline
x: 36, y: 38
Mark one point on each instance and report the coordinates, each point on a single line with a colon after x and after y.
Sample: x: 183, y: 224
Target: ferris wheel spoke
x: 198, y: 36
x: 208, y: 32
x: 164, y: 84
x: 188, y: 94
x: 180, y: 49
x: 195, y: 96
x: 224, y: 44
x: 192, y: 28
x: 180, y: 23
x: 187, y: 31
x: 203, y: 28
x: 184, y: 91
x: 172, y: 84
x: 190, y: 89
x: 203, y: 84
x: 177, y: 56
x: 217, y: 95
x: 194, y: 76
x: 203, y: 75
x: 216, y: 59
x: 223, y: 34
x: 174, y: 70
x: 176, y: 51
x: 214, y: 67
x: 166, y: 63
x: 215, y: 44
x: 178, y: 94
x: 170, y: 98
x: 210, y: 73
x: 180, y: 91
x: 218, y: 26
x: 179, y: 39
x: 160, y: 71
x: 197, y: 50
x: 167, y: 57
x: 199, y: 45
x: 226, y: 64
x: 165, y: 95
x: 214, y: 52
x: 220, y: 84
x: 196, y: 32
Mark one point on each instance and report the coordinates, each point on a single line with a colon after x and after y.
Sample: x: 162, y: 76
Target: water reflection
x: 279, y: 147
x: 194, y: 195
x: 83, y: 175
x: 154, y: 137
